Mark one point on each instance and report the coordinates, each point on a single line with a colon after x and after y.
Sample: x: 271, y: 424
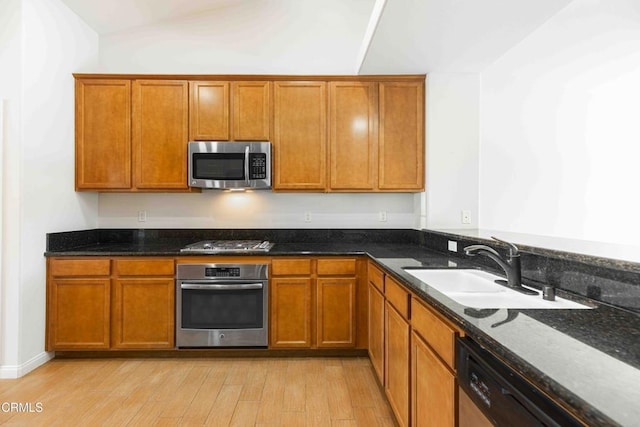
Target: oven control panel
x: 222, y: 272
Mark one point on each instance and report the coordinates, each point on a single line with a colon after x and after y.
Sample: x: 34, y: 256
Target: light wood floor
x: 212, y: 392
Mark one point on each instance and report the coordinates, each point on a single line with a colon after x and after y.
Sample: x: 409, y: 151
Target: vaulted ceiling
x: 405, y: 36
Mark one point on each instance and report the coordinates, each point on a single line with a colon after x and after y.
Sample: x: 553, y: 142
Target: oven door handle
x: 221, y: 286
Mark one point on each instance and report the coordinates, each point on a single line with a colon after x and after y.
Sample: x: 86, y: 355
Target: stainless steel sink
x: 477, y: 289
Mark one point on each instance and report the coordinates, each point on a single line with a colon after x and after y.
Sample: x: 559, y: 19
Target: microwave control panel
x: 257, y: 166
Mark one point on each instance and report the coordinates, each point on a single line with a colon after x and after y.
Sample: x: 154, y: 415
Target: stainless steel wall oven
x: 222, y: 305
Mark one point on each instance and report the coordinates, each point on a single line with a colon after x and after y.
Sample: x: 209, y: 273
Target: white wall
x: 249, y: 37
x: 452, y: 110
x: 559, y: 140
x: 10, y: 96
x: 215, y: 209
x: 54, y: 43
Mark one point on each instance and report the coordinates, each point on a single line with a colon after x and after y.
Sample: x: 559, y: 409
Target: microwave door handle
x: 246, y: 164
x: 221, y: 286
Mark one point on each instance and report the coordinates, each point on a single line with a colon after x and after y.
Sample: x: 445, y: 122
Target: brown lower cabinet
x: 290, y: 312
x: 79, y: 313
x: 376, y: 330
x: 397, y: 333
x: 102, y: 304
x: 397, y: 336
x: 313, y: 303
x: 432, y: 387
x: 143, y: 313
x: 419, y: 376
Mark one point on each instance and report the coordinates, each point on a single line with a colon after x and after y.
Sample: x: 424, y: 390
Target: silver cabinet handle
x: 221, y: 286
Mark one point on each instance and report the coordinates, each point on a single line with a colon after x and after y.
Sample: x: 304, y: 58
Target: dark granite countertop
x: 589, y: 360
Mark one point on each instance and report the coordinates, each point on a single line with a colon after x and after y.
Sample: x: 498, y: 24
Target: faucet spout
x: 511, y: 266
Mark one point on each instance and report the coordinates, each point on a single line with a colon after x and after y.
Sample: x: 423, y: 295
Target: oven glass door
x: 222, y: 306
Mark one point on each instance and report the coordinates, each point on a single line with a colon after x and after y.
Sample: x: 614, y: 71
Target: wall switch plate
x: 466, y: 217
x: 142, y: 216
x: 382, y: 216
x: 452, y: 245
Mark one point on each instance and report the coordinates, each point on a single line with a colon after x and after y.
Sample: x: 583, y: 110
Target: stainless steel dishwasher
x: 491, y: 393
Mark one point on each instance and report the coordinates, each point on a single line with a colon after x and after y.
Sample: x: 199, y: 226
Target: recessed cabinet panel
x: 336, y: 267
x: 144, y: 267
x: 79, y: 314
x: 251, y: 111
x: 336, y: 325
x: 103, y: 134
x: 290, y: 312
x: 209, y: 116
x: 376, y: 331
x: 396, y: 357
x: 440, y: 336
x: 160, y: 134
x: 291, y: 267
x: 300, y: 136
x: 143, y: 313
x: 353, y: 135
x: 401, y: 143
x: 433, y: 388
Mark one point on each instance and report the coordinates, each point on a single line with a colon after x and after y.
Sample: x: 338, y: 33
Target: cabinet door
x: 300, y: 136
x: 353, y: 136
x: 397, y: 363
x: 143, y: 313
x: 290, y: 312
x: 251, y: 111
x: 79, y: 314
x: 336, y: 314
x: 432, y: 387
x: 376, y: 331
x: 103, y: 134
x: 401, y: 144
x: 209, y: 115
x: 160, y: 134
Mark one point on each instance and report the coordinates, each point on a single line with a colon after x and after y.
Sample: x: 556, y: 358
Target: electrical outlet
x: 466, y: 217
x: 452, y: 245
x: 307, y: 217
x: 142, y: 216
x: 382, y: 216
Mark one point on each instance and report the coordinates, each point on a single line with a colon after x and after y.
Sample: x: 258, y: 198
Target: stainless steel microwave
x: 229, y: 165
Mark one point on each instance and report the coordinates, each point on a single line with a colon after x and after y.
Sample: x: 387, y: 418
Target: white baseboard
x: 17, y: 371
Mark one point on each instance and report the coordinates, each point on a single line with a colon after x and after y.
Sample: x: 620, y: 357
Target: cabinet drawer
x: 144, y: 267
x: 376, y: 276
x: 436, y: 332
x: 344, y: 267
x: 80, y: 267
x: 397, y: 296
x: 291, y: 267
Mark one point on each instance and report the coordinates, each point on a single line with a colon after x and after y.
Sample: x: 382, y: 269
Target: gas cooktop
x: 220, y: 246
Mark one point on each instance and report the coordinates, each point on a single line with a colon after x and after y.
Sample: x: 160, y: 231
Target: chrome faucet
x: 511, y: 266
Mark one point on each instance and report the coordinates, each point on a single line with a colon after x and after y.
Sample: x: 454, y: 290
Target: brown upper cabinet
x: 329, y: 133
x: 300, y: 136
x: 160, y: 134
x: 103, y: 134
x: 353, y: 136
x: 376, y: 136
x: 131, y: 135
x: 222, y: 111
x: 401, y: 136
x: 209, y: 115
